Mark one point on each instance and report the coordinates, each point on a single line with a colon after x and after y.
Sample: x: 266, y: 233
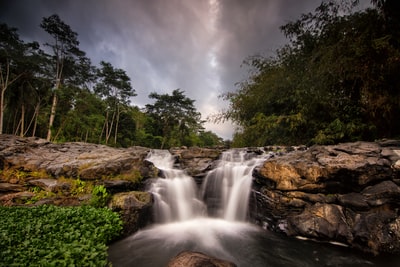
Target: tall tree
x: 65, y: 51
x: 12, y: 53
x: 115, y: 87
x: 18, y: 60
x: 175, y: 115
x: 335, y: 81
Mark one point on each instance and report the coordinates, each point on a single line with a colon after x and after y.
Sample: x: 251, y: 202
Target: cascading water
x: 176, y: 196
x: 224, y: 193
x: 211, y: 219
x: 226, y: 189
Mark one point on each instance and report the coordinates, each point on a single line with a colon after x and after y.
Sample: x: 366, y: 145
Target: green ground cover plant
x: 56, y: 236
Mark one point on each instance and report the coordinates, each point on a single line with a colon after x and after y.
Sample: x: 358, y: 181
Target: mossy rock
x: 134, y: 208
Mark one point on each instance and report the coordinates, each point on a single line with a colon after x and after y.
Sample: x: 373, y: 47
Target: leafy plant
x: 79, y: 187
x: 56, y: 236
x: 100, y: 196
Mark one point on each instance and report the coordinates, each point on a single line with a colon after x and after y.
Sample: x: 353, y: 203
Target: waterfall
x: 224, y: 193
x: 226, y: 189
x: 176, y: 195
x: 211, y: 219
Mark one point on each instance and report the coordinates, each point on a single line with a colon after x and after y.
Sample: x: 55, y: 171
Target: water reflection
x: 242, y: 243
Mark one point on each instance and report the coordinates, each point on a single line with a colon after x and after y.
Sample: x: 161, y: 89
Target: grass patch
x: 132, y: 176
x: 56, y: 236
x: 20, y: 176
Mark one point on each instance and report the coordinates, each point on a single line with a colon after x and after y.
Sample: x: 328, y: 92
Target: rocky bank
x: 347, y: 193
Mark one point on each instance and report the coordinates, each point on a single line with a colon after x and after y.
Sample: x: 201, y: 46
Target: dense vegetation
x: 56, y: 236
x: 336, y: 80
x: 53, y: 91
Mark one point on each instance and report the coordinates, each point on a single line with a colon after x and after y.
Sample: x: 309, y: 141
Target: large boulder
x: 197, y: 259
x: 347, y: 193
x: 196, y: 161
x: 76, y: 159
x: 134, y: 208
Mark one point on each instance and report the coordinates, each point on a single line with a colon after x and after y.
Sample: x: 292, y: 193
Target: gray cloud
x: 197, y: 46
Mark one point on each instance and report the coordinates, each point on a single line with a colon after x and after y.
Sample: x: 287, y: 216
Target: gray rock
x: 84, y: 160
x: 197, y: 259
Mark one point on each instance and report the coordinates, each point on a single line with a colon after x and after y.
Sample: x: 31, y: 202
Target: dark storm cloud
x: 195, y: 45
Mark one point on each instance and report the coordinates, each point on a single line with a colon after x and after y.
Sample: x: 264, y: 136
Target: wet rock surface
x: 134, y: 208
x: 347, y: 193
x: 197, y: 259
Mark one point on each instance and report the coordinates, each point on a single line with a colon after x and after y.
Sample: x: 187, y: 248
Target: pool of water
x: 244, y: 244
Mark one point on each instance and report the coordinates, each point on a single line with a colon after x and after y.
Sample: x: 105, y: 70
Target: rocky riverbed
x: 347, y: 193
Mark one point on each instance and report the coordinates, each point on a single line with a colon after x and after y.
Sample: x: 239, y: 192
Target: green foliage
x: 79, y: 187
x: 100, y: 196
x: 335, y: 81
x: 175, y: 118
x: 56, y: 236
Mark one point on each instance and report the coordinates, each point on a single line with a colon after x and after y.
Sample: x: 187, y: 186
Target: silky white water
x: 176, y: 195
x: 226, y: 189
x: 211, y: 218
x: 224, y: 193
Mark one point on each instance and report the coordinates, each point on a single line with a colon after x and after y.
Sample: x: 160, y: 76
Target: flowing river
x: 212, y: 220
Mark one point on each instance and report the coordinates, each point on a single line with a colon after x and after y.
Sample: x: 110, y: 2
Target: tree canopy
x: 176, y: 118
x: 336, y: 80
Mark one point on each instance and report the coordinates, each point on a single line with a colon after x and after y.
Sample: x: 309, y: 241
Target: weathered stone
x: 351, y: 194
x: 321, y: 221
x: 51, y: 185
x: 8, y: 187
x: 341, y: 168
x: 117, y: 186
x: 197, y: 259
x: 382, y: 193
x: 355, y: 201
x: 195, y: 160
x: 135, y: 209
x: 88, y: 161
x: 15, y: 198
x: 377, y: 232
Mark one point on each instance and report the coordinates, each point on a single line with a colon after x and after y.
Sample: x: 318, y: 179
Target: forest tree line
x: 53, y: 91
x: 337, y: 80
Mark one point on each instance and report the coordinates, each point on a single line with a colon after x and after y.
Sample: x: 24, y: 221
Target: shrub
x: 100, y: 196
x: 56, y: 236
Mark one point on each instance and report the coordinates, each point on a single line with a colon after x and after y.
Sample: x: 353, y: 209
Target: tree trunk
x: 5, y: 82
x: 52, y: 116
x: 2, y: 109
x: 116, y: 125
x: 22, y: 130
x: 36, y: 119
x: 109, y: 130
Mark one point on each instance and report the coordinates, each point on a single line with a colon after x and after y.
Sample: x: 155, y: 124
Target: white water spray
x: 224, y: 193
x: 226, y: 189
x: 176, y: 196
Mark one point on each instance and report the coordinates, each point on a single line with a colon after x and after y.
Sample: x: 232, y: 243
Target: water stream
x: 212, y: 219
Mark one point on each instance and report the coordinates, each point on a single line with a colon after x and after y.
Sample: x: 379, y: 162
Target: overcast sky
x: 195, y: 45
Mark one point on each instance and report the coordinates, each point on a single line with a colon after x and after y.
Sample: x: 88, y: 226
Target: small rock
x: 197, y: 259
